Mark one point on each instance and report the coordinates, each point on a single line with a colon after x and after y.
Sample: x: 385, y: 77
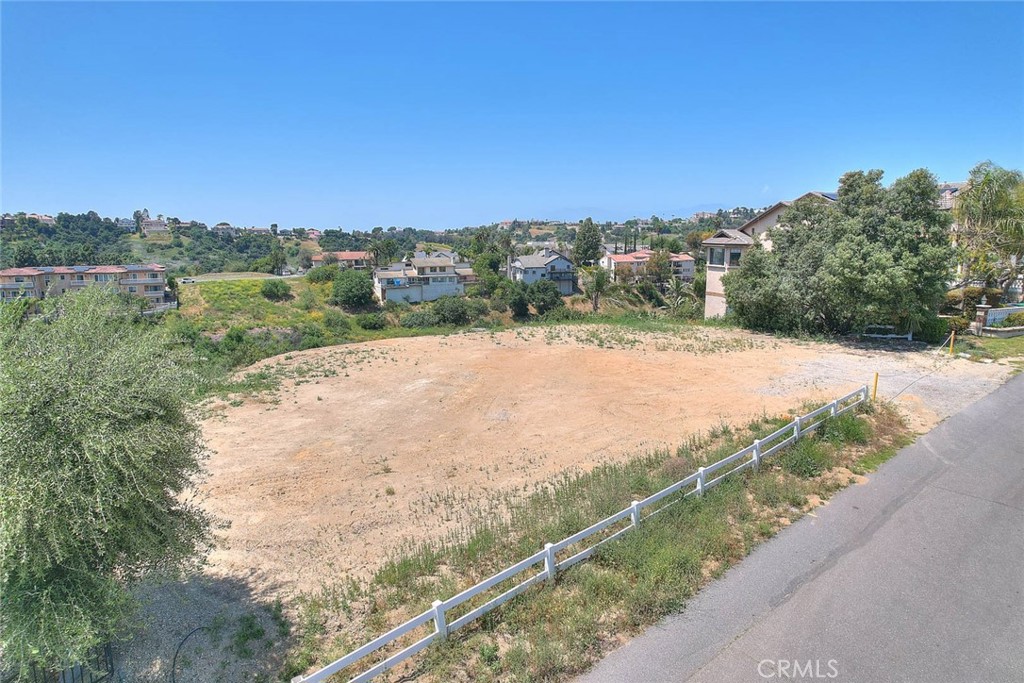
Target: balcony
x: 562, y: 275
x: 17, y: 285
x: 141, y: 281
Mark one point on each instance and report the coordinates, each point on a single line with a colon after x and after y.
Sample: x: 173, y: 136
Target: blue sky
x: 444, y: 115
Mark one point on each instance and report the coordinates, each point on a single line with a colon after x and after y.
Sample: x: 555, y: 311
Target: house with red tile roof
x: 38, y: 282
x: 357, y: 260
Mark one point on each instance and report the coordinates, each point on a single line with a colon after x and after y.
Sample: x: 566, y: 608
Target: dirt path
x: 373, y: 443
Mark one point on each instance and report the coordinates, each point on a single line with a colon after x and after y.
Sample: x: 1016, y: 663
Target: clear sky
x: 444, y: 115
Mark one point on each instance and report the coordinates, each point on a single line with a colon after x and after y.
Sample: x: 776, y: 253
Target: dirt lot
x: 366, y: 445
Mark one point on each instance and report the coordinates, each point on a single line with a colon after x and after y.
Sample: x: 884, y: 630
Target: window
x: 716, y: 256
x: 734, y: 256
x: 61, y: 277
x: 133, y: 290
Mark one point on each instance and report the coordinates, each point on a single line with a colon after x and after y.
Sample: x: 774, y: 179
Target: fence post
x: 796, y: 428
x: 439, y: 620
x: 833, y: 408
x: 634, y: 511
x: 549, y: 561
x: 757, y: 455
x: 700, y: 481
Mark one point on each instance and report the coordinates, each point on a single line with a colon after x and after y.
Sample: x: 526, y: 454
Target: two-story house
x: 38, y: 282
x: 546, y: 264
x: 724, y: 250
x: 422, y: 279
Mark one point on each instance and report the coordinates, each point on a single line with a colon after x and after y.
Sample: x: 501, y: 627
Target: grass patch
x: 555, y: 631
x: 990, y: 347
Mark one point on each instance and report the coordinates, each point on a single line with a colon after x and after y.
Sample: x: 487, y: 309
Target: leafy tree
x: 352, y: 289
x: 329, y: 259
x: 277, y: 257
x: 99, y: 461
x: 596, y: 282
x: 587, y: 248
x: 515, y: 295
x: 876, y: 256
x: 275, y: 290
x: 990, y: 235
x: 451, y: 310
x: 658, y: 268
x: 323, y: 273
x: 544, y: 296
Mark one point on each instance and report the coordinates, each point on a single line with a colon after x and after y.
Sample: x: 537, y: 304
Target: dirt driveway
x: 367, y: 445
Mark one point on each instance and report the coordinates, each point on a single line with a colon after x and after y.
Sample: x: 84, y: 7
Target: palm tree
x: 990, y: 234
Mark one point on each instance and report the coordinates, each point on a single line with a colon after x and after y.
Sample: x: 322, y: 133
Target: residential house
x: 126, y: 224
x: 452, y: 256
x: 422, y: 279
x: 42, y: 218
x: 546, y: 264
x: 357, y: 260
x: 153, y: 226
x: 313, y: 234
x: 38, y: 282
x: 724, y: 250
x: 224, y: 230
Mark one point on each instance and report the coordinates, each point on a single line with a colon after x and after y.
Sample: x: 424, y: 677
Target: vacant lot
x: 368, y: 444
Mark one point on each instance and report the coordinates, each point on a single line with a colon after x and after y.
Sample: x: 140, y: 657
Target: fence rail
x: 749, y: 457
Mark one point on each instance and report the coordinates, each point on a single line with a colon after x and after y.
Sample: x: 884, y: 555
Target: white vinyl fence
x: 544, y: 565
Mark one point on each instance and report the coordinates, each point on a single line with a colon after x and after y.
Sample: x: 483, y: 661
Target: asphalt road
x: 917, y: 575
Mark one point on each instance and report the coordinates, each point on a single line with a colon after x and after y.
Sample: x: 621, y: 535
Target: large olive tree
x: 99, y: 451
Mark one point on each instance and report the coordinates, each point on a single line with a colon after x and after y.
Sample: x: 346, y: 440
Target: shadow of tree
x: 220, y: 630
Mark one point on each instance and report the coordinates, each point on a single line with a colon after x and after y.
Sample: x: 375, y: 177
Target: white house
x: 422, y: 279
x: 545, y: 265
x: 152, y: 226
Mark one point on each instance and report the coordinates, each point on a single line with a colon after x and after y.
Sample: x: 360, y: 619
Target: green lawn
x: 991, y: 347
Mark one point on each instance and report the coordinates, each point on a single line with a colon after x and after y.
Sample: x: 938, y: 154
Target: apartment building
x: 38, y: 282
x: 683, y: 265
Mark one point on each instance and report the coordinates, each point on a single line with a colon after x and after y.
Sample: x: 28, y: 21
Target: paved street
x: 917, y: 575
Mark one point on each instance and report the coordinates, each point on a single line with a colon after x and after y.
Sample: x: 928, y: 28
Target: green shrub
x: 336, y: 321
x: 451, y: 310
x: 845, y: 429
x: 933, y: 330
x: 563, y: 314
x: 308, y: 300
x: 477, y: 308
x: 517, y: 300
x: 544, y: 296
x: 323, y: 273
x: 419, y: 319
x: 1013, y: 320
x: 372, y: 321
x: 275, y: 290
x: 353, y: 289
x: 807, y: 458
x: 498, y: 306
x: 958, y: 323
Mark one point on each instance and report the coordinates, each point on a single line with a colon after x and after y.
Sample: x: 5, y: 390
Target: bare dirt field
x: 367, y: 445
